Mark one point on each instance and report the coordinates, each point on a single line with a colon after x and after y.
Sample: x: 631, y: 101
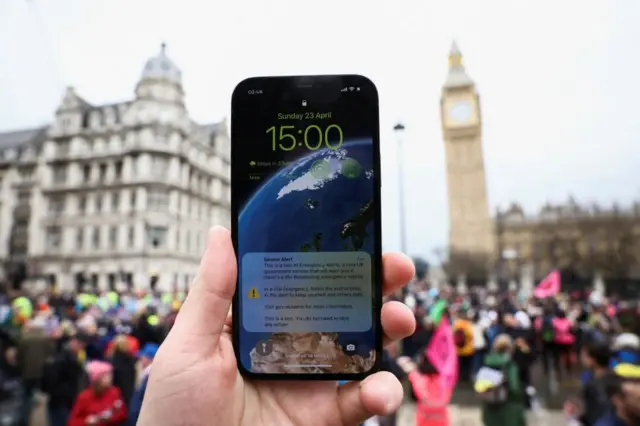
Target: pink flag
x: 442, y: 354
x: 548, y: 287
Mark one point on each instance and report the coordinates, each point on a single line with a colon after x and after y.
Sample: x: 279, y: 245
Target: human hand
x: 406, y: 364
x: 195, y: 380
x: 91, y: 420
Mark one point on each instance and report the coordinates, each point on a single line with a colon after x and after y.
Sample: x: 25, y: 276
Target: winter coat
x: 124, y: 374
x: 511, y: 412
x: 108, y: 406
x: 433, y: 399
x: 12, y: 395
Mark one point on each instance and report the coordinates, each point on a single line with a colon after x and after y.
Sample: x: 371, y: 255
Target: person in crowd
x: 503, y: 401
x: 480, y: 326
x: 546, y: 333
x: 146, y: 356
x: 624, y: 394
x: 12, y: 390
x: 34, y: 348
x: 101, y: 403
x: 64, y: 377
x: 433, y: 394
x: 465, y: 347
x: 626, y: 349
x: 595, y: 357
x: 564, y: 341
x: 124, y: 367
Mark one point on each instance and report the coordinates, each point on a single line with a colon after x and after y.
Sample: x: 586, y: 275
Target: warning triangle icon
x: 253, y: 293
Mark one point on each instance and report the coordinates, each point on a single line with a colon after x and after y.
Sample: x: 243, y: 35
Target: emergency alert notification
x: 306, y: 292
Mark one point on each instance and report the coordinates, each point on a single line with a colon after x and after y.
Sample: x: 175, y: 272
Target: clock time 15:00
x: 313, y: 137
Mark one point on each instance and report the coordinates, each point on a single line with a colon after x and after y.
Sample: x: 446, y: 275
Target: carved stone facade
x: 584, y: 240
x: 471, y: 235
x: 114, y: 194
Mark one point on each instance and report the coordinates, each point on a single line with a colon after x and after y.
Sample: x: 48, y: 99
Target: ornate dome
x: 160, y: 67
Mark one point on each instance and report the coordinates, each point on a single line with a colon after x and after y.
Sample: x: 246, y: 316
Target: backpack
x: 459, y: 338
x: 547, y: 332
x: 499, y: 393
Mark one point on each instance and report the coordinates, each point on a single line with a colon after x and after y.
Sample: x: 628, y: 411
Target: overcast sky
x: 558, y: 80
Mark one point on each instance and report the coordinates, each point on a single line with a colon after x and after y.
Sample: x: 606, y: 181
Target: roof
x: 20, y: 138
x: 457, y: 76
x: 213, y: 127
x: 161, y: 67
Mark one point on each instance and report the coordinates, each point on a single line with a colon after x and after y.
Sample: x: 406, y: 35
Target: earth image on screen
x: 321, y: 202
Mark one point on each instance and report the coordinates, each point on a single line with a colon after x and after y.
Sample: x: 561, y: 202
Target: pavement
x: 460, y: 416
x: 470, y: 416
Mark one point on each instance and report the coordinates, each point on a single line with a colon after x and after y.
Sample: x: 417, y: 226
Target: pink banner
x: 548, y: 287
x: 442, y: 354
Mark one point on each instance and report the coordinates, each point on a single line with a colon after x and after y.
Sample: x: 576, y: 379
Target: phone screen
x: 305, y: 204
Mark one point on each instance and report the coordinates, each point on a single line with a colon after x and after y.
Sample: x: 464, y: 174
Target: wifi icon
x: 351, y: 89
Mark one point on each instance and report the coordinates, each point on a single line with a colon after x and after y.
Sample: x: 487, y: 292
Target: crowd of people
x: 89, y: 354
x: 502, y: 339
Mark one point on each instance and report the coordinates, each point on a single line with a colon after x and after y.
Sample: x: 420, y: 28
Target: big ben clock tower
x: 470, y: 225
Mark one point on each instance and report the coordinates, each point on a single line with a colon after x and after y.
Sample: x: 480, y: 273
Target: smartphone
x: 305, y: 208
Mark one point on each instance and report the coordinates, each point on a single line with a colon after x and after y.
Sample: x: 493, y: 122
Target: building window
x: 82, y: 205
x: 156, y: 236
x: 158, y: 200
x: 134, y: 164
x: 96, y: 238
x: 111, y: 281
x: 133, y: 199
x: 159, y: 166
x: 86, y: 173
x: 26, y: 174
x: 24, y: 197
x: 132, y: 236
x: 54, y: 237
x: 98, y: 201
x: 59, y: 175
x: 177, y: 239
x: 80, y: 238
x: 187, y: 242
x: 115, y: 202
x: 113, y: 237
x: 102, y: 175
x: 118, y: 170
x: 56, y: 206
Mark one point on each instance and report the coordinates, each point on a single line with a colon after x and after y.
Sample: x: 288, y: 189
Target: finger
x: 397, y: 270
x: 205, y: 309
x: 378, y: 395
x: 398, y: 322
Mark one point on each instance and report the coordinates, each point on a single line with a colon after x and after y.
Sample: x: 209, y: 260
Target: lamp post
x: 399, y: 130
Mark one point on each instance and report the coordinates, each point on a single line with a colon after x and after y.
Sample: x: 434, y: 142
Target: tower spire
x: 457, y: 75
x: 455, y: 56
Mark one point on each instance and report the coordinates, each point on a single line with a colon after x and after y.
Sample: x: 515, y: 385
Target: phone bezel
x: 314, y: 88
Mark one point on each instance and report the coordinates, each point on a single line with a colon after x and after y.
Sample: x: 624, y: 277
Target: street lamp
x: 399, y: 130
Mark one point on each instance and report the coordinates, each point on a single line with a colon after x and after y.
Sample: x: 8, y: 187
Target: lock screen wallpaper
x: 305, y: 195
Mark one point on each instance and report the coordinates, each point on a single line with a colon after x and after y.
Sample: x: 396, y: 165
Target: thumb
x: 203, y: 313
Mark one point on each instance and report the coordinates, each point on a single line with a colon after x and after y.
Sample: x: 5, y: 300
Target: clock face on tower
x: 460, y: 112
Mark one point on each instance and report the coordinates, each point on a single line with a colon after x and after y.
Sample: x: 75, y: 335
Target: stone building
x: 119, y: 194
x: 583, y: 241
x: 471, y: 235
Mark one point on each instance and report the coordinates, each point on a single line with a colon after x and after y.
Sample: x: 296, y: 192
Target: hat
x: 148, y: 351
x: 97, y: 369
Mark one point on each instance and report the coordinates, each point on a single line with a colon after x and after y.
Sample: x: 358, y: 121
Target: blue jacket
x: 610, y: 419
x: 135, y: 405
